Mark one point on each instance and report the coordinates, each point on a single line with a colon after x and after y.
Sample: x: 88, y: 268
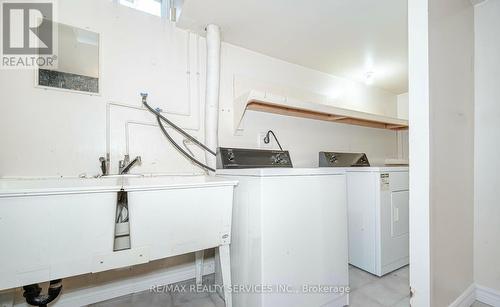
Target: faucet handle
x: 125, y: 165
x: 124, y: 162
x: 144, y: 97
x: 104, y: 165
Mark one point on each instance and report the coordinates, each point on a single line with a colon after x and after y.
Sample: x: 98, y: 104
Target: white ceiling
x: 346, y: 38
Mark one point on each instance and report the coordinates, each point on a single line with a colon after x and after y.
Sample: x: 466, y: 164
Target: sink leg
x: 218, y: 274
x: 225, y: 267
x: 199, y: 266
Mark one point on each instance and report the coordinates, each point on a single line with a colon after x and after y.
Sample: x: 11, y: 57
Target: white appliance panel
x: 362, y: 224
x: 400, y: 213
x: 289, y: 228
x: 378, y: 210
x: 305, y: 241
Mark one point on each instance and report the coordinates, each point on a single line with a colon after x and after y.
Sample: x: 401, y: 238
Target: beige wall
x: 441, y: 111
x: 487, y: 146
x: 403, y: 105
x: 451, y: 96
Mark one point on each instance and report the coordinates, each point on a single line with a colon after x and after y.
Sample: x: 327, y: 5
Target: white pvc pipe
x: 212, y: 91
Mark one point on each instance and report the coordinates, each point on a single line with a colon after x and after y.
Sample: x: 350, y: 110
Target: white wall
x: 303, y: 137
x: 441, y: 150
x: 403, y: 104
x: 55, y: 133
x: 419, y: 152
x: 487, y: 149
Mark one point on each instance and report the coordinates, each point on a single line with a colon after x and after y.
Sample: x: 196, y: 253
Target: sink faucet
x: 125, y: 165
x: 104, y: 165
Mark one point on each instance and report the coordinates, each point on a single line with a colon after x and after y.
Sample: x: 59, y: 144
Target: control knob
x: 333, y: 159
x: 279, y: 158
x: 230, y: 156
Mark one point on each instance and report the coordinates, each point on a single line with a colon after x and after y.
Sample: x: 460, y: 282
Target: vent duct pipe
x: 212, y: 92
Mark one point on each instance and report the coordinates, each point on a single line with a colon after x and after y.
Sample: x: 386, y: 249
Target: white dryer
x: 284, y: 223
x: 378, y: 211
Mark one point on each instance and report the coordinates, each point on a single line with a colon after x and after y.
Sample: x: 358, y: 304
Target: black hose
x: 33, y: 297
x: 184, y: 133
x: 171, y: 140
x: 267, y: 140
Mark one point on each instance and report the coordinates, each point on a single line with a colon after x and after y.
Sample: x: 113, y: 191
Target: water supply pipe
x: 212, y: 92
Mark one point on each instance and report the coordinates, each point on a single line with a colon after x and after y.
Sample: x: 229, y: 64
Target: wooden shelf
x: 396, y: 161
x: 269, y: 103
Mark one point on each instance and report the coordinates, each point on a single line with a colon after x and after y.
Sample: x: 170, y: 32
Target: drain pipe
x: 212, y: 92
x: 211, y: 129
x: 33, y: 295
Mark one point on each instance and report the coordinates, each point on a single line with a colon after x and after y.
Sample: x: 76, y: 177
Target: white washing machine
x: 378, y: 211
x: 289, y: 231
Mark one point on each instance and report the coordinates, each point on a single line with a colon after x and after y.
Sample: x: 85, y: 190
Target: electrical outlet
x: 261, y: 144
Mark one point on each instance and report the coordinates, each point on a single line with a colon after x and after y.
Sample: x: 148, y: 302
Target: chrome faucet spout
x: 125, y: 165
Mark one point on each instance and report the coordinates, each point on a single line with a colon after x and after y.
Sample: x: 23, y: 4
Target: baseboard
x: 106, y: 291
x: 467, y: 298
x: 488, y: 296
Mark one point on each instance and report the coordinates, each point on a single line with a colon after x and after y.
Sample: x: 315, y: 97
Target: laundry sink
x: 55, y: 228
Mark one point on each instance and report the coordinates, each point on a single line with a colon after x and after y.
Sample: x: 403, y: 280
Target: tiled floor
x: 168, y: 299
x: 392, y: 290
x: 367, y: 290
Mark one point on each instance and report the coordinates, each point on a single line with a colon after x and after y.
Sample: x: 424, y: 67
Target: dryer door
x: 400, y: 213
x: 395, y: 231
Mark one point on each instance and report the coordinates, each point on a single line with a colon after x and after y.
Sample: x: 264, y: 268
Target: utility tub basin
x: 56, y: 228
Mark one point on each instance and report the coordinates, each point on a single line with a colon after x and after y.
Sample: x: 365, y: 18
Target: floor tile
x: 382, y: 294
x: 358, y: 299
x: 367, y: 290
x: 405, y: 302
x: 201, y: 302
x: 189, y: 297
x: 391, y: 290
x: 404, y: 272
x: 396, y: 282
x: 359, y: 278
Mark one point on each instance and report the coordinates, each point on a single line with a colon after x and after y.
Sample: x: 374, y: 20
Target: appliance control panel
x: 237, y: 158
x: 342, y: 159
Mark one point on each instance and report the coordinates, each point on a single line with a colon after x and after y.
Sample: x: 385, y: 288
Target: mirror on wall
x: 77, y: 61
